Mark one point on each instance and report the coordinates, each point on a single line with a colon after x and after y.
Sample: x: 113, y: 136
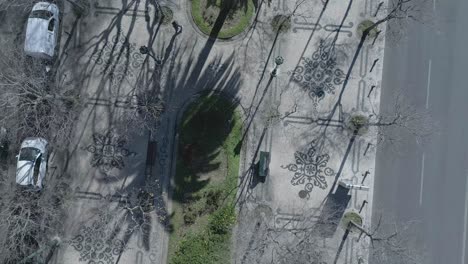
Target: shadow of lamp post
x: 145, y: 51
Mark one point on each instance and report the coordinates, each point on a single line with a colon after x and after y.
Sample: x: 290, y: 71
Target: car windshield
x: 29, y: 154
x: 44, y: 14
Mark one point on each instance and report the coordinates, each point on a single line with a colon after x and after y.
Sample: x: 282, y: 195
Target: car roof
x: 38, y: 42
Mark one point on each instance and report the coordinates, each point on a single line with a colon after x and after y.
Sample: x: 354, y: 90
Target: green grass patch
x: 236, y: 22
x: 205, y: 183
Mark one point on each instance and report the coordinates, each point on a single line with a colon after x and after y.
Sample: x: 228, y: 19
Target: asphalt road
x: 428, y: 182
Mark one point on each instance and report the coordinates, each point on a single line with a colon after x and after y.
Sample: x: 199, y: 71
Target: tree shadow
x: 206, y: 119
x: 112, y: 54
x: 332, y: 212
x: 202, y: 134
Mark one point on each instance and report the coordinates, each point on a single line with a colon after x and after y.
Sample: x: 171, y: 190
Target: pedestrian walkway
x: 282, y: 115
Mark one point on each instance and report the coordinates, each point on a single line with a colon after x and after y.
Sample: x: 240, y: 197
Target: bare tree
x: 296, y: 238
x: 32, y: 102
x: 144, y: 109
x: 29, y: 220
x: 6, y: 5
x: 390, y: 242
x: 313, y: 236
x: 402, y: 118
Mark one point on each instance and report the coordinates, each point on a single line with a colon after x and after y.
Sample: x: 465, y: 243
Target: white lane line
x: 428, y: 84
x: 464, y: 221
x: 422, y: 179
x: 433, y: 5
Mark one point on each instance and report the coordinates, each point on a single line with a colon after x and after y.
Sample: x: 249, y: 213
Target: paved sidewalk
x: 110, y: 161
x: 103, y: 61
x: 308, y: 158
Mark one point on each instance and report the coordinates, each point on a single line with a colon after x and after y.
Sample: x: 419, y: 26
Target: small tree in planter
x: 351, y: 219
x: 281, y: 23
x: 365, y: 25
x: 166, y: 15
x: 357, y: 123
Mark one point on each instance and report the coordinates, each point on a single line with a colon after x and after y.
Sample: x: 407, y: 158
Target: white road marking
x: 422, y: 179
x: 428, y: 84
x: 464, y: 221
x: 433, y: 5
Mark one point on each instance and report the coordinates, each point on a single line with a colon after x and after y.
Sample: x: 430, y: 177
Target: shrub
x: 213, y: 199
x: 351, y: 216
x: 359, y: 121
x: 190, y: 215
x: 358, y: 124
x: 221, y: 220
x: 194, y: 249
x: 166, y: 15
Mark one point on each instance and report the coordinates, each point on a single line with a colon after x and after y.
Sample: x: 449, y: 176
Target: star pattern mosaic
x: 319, y: 74
x: 109, y: 151
x: 310, y: 170
x: 95, y: 246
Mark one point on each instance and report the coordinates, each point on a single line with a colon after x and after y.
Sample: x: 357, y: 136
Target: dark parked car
x: 263, y: 165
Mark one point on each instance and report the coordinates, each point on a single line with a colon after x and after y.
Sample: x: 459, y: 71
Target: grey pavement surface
x: 428, y: 182
x: 282, y: 205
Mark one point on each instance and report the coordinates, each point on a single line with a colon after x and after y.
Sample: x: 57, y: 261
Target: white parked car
x: 42, y: 31
x: 32, y: 162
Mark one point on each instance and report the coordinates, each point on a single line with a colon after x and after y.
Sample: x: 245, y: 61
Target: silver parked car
x: 42, y: 31
x: 32, y: 162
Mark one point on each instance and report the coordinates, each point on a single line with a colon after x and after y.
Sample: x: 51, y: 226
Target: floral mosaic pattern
x: 310, y: 169
x: 109, y: 151
x: 319, y: 74
x: 118, y: 59
x: 95, y: 246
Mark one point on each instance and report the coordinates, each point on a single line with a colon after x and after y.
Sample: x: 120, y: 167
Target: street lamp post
x: 145, y: 51
x: 278, y: 61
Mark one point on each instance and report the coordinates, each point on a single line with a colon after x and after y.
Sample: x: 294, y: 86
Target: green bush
x: 204, y: 247
x: 166, y: 15
x: 358, y: 124
x: 190, y: 215
x: 194, y: 249
x: 359, y: 121
x: 222, y: 220
x: 351, y: 216
x: 213, y: 200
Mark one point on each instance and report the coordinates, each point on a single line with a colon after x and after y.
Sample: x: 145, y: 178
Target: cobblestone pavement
x: 101, y: 57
